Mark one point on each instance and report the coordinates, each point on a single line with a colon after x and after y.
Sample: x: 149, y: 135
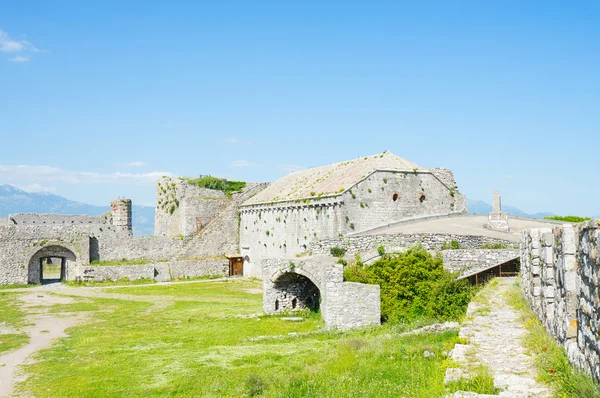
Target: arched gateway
x: 59, y: 257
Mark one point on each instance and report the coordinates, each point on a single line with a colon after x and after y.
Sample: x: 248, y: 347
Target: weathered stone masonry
x: 560, y: 271
x: 338, y: 200
x: 343, y: 305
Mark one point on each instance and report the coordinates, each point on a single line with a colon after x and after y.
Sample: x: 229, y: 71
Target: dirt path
x: 47, y: 327
x: 44, y: 329
x: 495, y: 334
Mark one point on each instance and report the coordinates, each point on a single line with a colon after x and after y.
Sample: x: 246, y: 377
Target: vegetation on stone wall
x: 567, y: 218
x: 208, y: 182
x: 452, y: 245
x: 414, y: 285
x: 337, y: 251
x: 551, y: 359
x: 167, y: 199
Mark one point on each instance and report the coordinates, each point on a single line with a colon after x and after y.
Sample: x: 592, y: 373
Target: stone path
x: 494, y: 336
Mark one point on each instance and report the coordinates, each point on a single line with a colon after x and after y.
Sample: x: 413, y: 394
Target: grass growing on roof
x: 210, y: 342
x: 227, y: 187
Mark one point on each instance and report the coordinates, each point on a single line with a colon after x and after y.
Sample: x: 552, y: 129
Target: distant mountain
x: 481, y: 207
x: 14, y: 200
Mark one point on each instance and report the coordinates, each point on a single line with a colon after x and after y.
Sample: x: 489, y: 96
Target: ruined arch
x: 294, y: 291
x: 66, y: 255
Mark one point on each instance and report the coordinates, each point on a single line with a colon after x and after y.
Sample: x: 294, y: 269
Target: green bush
x: 567, y: 218
x: 228, y: 187
x: 337, y: 251
x: 381, y: 250
x: 453, y: 245
x: 414, y: 285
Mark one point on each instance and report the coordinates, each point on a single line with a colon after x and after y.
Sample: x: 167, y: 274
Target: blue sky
x: 97, y: 100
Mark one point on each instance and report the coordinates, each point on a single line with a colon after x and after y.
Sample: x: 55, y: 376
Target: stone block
x: 548, y: 239
x: 569, y: 240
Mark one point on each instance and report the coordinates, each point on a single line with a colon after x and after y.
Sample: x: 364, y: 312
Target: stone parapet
x: 560, y: 277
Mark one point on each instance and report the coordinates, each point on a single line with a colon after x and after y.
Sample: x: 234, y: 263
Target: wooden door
x: 236, y: 266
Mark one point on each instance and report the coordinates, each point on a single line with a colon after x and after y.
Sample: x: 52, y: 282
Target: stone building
x: 340, y: 200
x: 180, y: 250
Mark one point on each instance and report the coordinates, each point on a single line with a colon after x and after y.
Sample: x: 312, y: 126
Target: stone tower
x: 121, y: 215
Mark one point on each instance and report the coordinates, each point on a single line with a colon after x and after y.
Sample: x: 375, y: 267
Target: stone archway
x: 294, y: 291
x: 65, y: 256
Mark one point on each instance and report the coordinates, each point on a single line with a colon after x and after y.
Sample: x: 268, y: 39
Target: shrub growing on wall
x: 228, y: 187
x: 414, y: 285
x: 337, y: 251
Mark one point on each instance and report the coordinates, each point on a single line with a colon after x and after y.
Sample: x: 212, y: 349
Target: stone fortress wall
x: 161, y: 272
x: 400, y: 242
x: 319, y: 281
x: 281, y: 229
x: 560, y: 271
x: 80, y: 239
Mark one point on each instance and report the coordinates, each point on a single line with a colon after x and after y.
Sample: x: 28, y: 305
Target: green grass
x: 13, y: 317
x: 551, y: 360
x: 574, y: 219
x: 121, y: 282
x: 210, y: 345
x: 482, y: 382
x: 16, y: 286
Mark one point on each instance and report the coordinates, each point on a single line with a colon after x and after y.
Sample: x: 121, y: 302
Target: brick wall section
x: 560, y: 271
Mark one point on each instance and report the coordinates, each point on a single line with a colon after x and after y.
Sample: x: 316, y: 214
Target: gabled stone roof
x: 329, y: 180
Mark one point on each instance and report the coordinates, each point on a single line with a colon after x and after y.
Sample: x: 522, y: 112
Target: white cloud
x: 232, y: 140
x: 43, y: 174
x: 243, y: 163
x: 10, y: 45
x: 130, y: 164
x: 36, y: 188
x: 290, y: 168
x: 19, y: 59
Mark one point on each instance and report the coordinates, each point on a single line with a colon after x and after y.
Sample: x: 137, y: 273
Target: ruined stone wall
x: 21, y: 248
x: 476, y: 259
x: 344, y: 305
x: 560, y: 271
x: 399, y: 242
x: 222, y: 234
x: 163, y: 271
x: 183, y: 209
x: 387, y: 197
x: 29, y: 219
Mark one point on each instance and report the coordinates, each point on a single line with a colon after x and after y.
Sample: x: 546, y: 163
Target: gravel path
x: 494, y: 334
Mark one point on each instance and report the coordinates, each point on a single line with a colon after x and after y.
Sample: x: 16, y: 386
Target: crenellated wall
x: 560, y: 276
